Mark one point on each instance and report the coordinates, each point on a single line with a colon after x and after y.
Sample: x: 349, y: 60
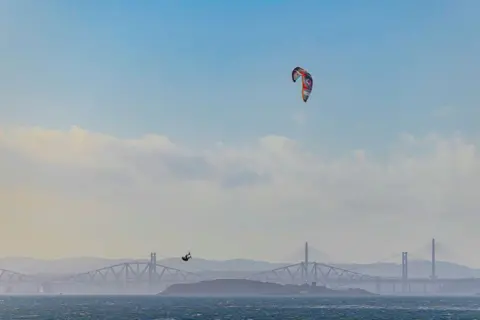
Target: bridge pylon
x: 405, y: 283
x: 305, y: 266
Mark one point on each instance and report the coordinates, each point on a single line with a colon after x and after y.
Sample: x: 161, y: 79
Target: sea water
x: 157, y: 308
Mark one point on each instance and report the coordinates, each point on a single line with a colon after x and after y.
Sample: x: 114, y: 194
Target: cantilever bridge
x: 129, y: 277
x: 148, y: 276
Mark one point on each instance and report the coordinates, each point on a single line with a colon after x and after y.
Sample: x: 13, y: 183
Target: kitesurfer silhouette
x: 187, y: 257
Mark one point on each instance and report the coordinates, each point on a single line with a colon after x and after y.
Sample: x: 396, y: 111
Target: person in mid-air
x: 187, y: 257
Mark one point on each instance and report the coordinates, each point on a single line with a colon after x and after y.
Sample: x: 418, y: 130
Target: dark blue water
x: 143, y: 308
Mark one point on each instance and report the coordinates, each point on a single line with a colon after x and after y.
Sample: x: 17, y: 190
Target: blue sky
x: 200, y: 72
x: 203, y: 71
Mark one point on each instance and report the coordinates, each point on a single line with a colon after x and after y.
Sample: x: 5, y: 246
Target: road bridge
x: 334, y: 277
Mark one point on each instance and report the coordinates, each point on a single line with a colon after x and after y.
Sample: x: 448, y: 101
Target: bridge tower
x: 434, y: 262
x: 405, y: 284
x: 152, y: 268
x: 305, y: 265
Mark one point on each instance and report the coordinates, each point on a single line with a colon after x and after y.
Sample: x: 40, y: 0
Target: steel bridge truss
x: 133, y: 272
x: 10, y: 277
x: 313, y: 272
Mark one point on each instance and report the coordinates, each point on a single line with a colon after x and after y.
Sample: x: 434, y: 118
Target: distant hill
x: 228, y: 268
x: 58, y: 266
x: 313, y: 255
x: 199, y: 264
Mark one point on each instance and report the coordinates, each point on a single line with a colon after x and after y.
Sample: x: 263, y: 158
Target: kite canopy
x: 307, y: 81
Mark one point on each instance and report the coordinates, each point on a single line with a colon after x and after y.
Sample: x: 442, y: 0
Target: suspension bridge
x: 149, y: 277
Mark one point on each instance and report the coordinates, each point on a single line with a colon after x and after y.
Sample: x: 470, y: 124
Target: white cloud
x: 86, y: 193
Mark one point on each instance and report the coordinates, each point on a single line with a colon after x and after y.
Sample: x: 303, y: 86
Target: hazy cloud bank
x: 85, y: 193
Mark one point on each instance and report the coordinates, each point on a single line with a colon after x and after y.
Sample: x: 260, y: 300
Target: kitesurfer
x: 187, y: 257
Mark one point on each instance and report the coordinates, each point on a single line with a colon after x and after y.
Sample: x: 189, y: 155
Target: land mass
x: 240, y: 287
